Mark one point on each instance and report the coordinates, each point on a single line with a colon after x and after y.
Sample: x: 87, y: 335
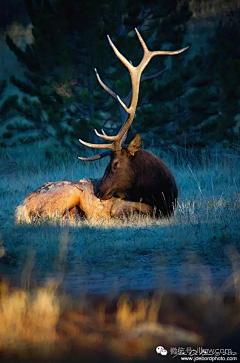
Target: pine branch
x: 39, y: 125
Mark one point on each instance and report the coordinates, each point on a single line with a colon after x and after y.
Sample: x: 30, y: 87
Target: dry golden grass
x: 129, y: 327
x: 27, y: 317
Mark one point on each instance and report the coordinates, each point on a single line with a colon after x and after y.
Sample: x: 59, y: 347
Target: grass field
x: 195, y: 253
x: 195, y: 246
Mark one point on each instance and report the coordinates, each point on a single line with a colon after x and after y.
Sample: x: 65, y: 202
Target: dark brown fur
x: 138, y: 175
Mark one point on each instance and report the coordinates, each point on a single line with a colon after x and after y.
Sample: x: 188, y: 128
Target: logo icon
x: 161, y: 350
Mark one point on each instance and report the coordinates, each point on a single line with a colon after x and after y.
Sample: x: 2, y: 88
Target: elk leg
x: 75, y: 212
x: 122, y: 208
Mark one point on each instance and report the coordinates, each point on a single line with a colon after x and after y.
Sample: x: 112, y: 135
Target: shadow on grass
x: 169, y: 256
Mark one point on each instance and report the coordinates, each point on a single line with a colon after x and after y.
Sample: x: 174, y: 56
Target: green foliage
x: 214, y: 100
x: 3, y: 85
x: 192, y: 103
x: 5, y: 106
x: 70, y: 40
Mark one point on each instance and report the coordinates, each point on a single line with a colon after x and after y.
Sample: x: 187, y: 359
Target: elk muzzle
x: 104, y: 192
x: 104, y: 196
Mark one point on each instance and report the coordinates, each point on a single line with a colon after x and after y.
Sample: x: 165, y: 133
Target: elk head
x: 122, y: 171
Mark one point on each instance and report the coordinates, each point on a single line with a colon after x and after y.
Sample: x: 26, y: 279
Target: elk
x: 71, y: 200
x: 135, y: 180
x: 134, y: 174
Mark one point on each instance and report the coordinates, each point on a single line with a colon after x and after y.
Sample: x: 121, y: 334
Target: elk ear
x: 135, y: 144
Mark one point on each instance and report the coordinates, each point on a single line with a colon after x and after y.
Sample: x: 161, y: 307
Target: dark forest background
x: 193, y: 103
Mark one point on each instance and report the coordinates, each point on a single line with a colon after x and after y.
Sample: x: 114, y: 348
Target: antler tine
x: 169, y: 52
x: 128, y: 97
x: 114, y: 95
x: 135, y: 73
x: 153, y: 76
x: 145, y: 48
x: 95, y: 157
x: 117, y: 140
x: 104, y: 86
x: 112, y: 138
x: 120, y: 56
x: 158, y: 52
x: 97, y: 146
x: 103, y: 135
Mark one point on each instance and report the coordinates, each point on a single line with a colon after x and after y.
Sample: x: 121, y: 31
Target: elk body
x: 135, y: 180
x: 71, y: 200
x: 135, y: 174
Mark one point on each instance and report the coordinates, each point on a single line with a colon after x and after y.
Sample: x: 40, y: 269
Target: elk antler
x: 126, y: 99
x: 135, y: 73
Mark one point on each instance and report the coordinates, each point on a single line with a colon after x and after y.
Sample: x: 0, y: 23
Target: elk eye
x: 115, y: 165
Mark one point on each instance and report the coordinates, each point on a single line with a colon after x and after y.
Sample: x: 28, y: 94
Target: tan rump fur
x: 64, y: 199
x: 21, y: 214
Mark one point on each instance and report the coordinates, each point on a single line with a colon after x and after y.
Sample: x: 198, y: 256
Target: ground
x: 196, y: 253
